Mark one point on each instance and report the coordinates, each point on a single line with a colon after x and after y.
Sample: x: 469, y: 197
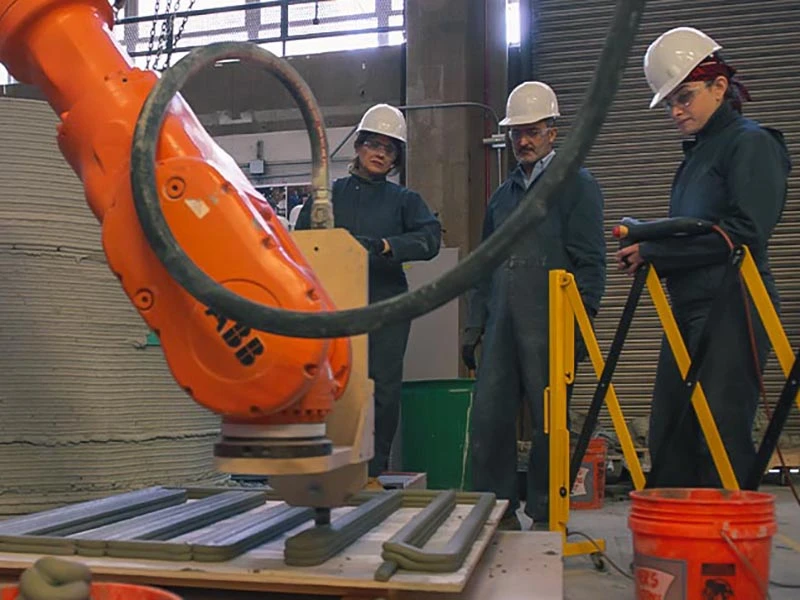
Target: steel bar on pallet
x: 94, y: 513
x: 419, y: 530
x: 599, y: 397
x: 246, y: 532
x: 201, y: 492
x: 418, y: 498
x: 452, y: 557
x: 157, y: 525
x: 220, y: 541
x: 412, y: 498
x: 780, y: 414
x: 166, y: 523
x: 315, y: 546
x: 684, y: 404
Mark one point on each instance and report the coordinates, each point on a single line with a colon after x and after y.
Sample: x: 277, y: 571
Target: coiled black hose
x: 479, y: 264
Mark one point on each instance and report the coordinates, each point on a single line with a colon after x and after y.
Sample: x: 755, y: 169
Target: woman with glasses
x: 395, y: 226
x: 734, y: 174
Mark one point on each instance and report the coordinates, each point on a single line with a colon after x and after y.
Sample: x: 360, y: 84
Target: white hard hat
x: 670, y: 59
x: 530, y: 102
x: 385, y: 120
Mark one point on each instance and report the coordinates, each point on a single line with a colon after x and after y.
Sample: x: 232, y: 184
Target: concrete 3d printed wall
x: 87, y: 408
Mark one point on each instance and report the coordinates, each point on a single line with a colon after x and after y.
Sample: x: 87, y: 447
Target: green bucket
x: 435, y: 431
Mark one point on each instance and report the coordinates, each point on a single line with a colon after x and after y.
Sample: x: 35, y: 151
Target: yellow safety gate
x: 566, y: 309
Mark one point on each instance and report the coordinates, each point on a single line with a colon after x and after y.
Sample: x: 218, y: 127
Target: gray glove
x: 55, y: 579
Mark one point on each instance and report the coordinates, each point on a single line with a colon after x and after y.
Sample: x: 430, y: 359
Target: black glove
x: 52, y: 578
x: 472, y: 337
x: 372, y: 245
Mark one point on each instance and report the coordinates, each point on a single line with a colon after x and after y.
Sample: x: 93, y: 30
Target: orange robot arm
x: 67, y: 50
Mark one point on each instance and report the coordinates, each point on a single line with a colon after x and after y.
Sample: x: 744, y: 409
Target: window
x: 512, y: 23
x: 285, y: 27
x: 148, y: 7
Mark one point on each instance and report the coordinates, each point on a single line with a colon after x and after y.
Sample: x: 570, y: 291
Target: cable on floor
x: 600, y: 551
x: 571, y: 532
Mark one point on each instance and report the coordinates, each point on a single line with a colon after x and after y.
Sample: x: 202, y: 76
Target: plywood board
x: 263, y: 568
x: 517, y: 565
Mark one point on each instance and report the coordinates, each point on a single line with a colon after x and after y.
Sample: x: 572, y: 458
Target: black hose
x: 148, y: 129
x: 479, y: 264
x: 632, y: 230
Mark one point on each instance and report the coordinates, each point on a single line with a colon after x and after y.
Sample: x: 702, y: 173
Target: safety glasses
x: 530, y: 133
x: 374, y: 145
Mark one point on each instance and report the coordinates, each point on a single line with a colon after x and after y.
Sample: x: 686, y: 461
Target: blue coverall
x: 513, y: 310
x: 372, y: 210
x: 734, y: 174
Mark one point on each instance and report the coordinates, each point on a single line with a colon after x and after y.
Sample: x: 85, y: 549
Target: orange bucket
x: 701, y: 543
x: 109, y: 591
x: 589, y: 490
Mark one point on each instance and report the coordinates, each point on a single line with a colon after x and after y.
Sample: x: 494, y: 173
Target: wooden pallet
x: 263, y: 568
x: 515, y: 566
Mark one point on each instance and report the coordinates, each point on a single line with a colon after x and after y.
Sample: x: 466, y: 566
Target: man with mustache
x: 509, y: 313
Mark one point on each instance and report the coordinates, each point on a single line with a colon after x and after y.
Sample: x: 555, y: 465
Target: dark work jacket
x: 383, y: 210
x: 570, y: 238
x: 734, y: 174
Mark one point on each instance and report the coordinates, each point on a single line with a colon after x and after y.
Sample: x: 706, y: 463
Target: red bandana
x: 713, y: 67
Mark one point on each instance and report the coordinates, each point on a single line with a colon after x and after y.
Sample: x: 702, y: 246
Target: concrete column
x: 457, y: 51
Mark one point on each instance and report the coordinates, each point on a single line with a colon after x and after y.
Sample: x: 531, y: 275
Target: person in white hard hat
x: 509, y: 314
x: 395, y: 226
x: 734, y: 174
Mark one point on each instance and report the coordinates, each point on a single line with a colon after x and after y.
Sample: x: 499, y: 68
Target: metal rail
x: 164, y: 524
x: 95, y: 513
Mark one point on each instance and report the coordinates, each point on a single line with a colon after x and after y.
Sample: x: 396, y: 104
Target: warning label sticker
x: 579, y: 489
x: 659, y: 578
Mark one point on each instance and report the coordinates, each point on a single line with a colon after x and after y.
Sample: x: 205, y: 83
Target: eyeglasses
x: 532, y: 133
x: 375, y: 145
x: 682, y: 99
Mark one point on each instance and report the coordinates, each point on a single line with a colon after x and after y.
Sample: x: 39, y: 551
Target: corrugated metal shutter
x: 638, y: 150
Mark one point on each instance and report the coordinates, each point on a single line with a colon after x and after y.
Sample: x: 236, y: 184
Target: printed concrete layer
x: 86, y: 407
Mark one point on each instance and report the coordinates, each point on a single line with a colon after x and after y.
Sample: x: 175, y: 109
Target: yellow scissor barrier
x: 566, y: 309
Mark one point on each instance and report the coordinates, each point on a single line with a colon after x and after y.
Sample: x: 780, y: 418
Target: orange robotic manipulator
x: 274, y: 392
